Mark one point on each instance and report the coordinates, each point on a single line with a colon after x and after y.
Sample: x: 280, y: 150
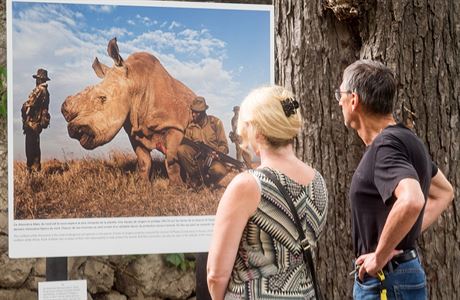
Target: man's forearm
x: 432, y: 212
x: 402, y: 217
x: 434, y: 208
x: 440, y: 196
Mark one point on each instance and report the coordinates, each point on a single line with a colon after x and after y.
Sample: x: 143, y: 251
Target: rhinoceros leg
x: 144, y: 160
x: 173, y: 139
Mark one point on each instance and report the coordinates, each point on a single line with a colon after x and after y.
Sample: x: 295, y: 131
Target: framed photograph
x: 102, y: 98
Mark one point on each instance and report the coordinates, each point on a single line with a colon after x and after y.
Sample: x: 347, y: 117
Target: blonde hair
x: 262, y: 112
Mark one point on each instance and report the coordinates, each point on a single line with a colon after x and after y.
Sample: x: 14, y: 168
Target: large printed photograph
x: 130, y: 109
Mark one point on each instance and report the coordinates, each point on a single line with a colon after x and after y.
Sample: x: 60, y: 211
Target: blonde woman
x: 255, y: 251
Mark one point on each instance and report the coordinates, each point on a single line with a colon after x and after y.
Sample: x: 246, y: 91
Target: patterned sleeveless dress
x: 269, y: 263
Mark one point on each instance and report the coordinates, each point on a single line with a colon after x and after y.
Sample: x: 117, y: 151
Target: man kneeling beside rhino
x: 209, y: 130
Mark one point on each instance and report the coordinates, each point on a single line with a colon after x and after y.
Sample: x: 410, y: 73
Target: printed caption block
x: 62, y: 290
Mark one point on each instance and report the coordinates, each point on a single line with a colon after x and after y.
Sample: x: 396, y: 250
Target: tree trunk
x: 420, y: 41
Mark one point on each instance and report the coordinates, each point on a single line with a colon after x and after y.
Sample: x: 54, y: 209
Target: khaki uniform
x: 235, y: 138
x: 241, y: 154
x: 212, y: 134
x: 35, y: 118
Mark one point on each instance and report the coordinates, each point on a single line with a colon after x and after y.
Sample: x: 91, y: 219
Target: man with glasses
x: 396, y: 191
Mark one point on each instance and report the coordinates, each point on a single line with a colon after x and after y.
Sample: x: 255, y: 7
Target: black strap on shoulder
x: 307, y: 255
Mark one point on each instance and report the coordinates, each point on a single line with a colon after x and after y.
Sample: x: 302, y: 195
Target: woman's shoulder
x: 244, y: 183
x: 245, y: 179
x: 243, y: 191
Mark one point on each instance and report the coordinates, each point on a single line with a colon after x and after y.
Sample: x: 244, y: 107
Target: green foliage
x: 179, y: 261
x: 3, y: 92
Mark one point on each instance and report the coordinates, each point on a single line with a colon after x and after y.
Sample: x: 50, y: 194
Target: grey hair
x: 374, y: 83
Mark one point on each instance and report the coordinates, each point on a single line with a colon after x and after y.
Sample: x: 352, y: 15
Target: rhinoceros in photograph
x: 139, y: 95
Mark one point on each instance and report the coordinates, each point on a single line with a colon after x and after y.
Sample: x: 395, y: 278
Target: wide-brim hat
x: 42, y: 73
x: 199, y: 104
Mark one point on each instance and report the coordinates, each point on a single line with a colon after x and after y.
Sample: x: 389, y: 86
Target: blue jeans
x: 407, y: 281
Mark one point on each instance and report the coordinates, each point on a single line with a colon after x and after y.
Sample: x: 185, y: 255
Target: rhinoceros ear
x: 100, y: 68
x: 114, y: 53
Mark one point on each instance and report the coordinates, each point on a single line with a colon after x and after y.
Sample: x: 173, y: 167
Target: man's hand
x: 371, y: 264
x: 214, y: 155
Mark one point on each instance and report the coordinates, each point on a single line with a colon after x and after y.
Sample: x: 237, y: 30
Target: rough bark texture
x: 420, y: 41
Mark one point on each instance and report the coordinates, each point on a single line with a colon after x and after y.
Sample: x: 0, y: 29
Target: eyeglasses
x: 338, y: 94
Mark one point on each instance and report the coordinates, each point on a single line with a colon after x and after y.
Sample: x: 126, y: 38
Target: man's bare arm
x: 403, y: 215
x: 440, y: 196
x: 406, y: 209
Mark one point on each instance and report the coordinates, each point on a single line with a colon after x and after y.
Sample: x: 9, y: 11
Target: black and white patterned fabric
x: 269, y: 262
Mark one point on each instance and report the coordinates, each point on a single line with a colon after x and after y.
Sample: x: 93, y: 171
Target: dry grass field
x: 90, y: 188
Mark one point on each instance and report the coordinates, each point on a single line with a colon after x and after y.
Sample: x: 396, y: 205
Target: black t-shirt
x: 395, y: 154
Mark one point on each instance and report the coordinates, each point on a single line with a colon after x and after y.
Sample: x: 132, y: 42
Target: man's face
x: 198, y: 116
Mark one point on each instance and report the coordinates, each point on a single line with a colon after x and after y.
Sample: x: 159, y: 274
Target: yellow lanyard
x: 383, y: 290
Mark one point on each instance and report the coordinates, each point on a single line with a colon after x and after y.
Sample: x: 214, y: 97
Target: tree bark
x: 419, y: 40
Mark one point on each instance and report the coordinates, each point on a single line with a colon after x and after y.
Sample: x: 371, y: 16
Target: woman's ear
x: 260, y: 138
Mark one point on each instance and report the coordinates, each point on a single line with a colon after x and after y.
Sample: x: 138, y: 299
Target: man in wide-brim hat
x: 35, y: 118
x: 199, y: 105
x: 42, y: 74
x: 209, y: 130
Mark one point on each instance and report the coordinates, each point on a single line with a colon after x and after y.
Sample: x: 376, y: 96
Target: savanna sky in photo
x: 219, y: 53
